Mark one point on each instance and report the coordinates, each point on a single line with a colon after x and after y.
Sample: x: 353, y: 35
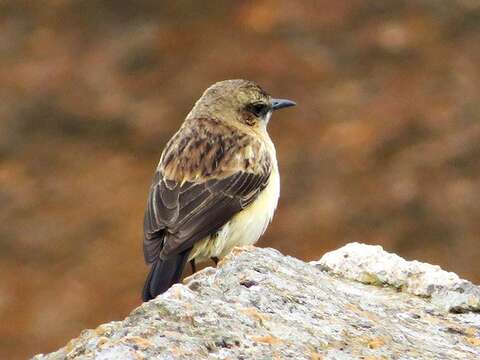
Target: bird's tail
x: 163, y: 274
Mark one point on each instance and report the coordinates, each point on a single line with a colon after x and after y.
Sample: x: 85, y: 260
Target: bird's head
x: 238, y: 101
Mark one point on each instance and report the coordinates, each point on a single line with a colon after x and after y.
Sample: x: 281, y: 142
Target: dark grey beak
x: 278, y: 104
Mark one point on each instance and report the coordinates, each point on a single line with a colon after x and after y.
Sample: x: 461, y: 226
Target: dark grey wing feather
x: 179, y: 215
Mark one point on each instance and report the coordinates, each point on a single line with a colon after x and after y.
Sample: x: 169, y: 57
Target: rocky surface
x: 259, y: 304
x: 372, y: 265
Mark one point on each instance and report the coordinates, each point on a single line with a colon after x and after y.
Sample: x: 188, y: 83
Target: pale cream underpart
x: 246, y: 227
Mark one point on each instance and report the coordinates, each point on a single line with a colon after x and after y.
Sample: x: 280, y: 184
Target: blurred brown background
x: 383, y: 147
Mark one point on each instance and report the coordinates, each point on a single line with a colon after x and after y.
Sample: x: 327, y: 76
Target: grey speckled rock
x: 372, y: 265
x: 260, y: 304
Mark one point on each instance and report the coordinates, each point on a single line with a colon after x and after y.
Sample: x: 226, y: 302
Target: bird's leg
x: 215, y: 260
x: 192, y: 264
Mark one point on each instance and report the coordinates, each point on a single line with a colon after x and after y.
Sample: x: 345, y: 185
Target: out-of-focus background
x: 383, y: 147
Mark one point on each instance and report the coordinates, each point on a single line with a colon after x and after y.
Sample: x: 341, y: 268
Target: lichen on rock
x: 259, y: 304
x: 372, y: 265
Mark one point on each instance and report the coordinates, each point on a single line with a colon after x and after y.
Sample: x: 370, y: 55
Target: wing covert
x: 178, y: 215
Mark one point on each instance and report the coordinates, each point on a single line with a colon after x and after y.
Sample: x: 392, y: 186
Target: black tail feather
x: 163, y: 274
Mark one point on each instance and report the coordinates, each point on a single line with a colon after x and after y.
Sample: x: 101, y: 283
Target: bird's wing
x: 208, y: 172
x: 178, y: 215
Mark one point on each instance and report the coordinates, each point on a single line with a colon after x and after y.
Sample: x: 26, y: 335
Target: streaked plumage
x: 216, y: 185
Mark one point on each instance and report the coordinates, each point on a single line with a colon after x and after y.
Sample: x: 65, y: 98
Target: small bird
x: 216, y: 185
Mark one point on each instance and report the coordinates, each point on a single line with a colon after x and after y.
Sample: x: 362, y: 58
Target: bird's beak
x: 282, y: 103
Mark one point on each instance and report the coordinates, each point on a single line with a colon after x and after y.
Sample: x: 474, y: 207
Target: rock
x: 259, y: 304
x: 372, y: 265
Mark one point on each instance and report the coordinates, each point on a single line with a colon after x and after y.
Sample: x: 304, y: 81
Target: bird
x: 216, y: 185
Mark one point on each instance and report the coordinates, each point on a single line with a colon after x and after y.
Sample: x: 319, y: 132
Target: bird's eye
x: 258, y: 109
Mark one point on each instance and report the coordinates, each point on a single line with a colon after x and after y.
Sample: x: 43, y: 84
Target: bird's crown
x: 234, y: 101
x: 237, y: 101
